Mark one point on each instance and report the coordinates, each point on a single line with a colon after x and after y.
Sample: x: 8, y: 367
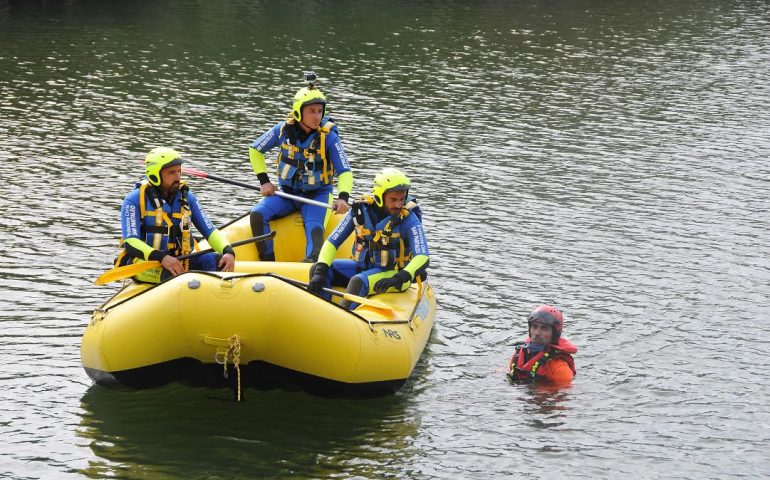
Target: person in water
x: 546, y: 355
x: 156, y: 218
x: 390, y: 250
x: 310, y: 157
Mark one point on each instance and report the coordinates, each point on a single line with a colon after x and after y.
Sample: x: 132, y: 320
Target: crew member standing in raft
x: 310, y: 156
x: 156, y: 218
x: 544, y: 356
x: 390, y: 250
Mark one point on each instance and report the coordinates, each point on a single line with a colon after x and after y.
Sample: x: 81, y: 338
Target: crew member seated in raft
x: 156, y: 219
x: 390, y: 250
x: 310, y: 156
x: 545, y: 356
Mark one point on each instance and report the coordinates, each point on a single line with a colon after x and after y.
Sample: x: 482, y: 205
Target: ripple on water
x: 611, y: 160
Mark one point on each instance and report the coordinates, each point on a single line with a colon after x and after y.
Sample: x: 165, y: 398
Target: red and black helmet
x: 548, y: 315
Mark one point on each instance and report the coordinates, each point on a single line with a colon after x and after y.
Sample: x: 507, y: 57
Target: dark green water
x: 611, y: 158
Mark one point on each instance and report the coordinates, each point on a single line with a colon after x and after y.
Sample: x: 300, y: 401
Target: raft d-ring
x: 217, y: 354
x: 228, y: 282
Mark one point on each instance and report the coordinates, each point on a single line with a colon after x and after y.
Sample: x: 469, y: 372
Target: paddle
x: 201, y: 174
x: 119, y: 273
x: 347, y: 296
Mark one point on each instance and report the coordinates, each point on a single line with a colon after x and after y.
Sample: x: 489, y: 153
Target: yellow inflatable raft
x: 257, y: 327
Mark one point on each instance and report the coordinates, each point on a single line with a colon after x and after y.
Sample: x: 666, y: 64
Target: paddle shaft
x: 260, y: 238
x: 201, y: 174
x: 345, y: 295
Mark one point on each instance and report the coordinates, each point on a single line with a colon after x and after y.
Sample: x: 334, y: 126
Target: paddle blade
x: 119, y: 273
x: 195, y: 172
x: 369, y: 302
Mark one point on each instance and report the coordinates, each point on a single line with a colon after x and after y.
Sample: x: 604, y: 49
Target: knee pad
x: 356, y: 286
x: 258, y: 228
x: 317, y: 239
x: 257, y: 223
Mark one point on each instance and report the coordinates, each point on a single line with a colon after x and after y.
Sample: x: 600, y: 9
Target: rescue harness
x: 157, y: 225
x: 376, y: 241
x: 300, y: 164
x: 523, y: 369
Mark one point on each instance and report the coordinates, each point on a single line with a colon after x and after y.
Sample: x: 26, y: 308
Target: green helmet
x: 307, y: 96
x: 158, y: 159
x: 389, y: 180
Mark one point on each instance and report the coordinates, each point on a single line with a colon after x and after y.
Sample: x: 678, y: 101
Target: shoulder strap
x: 288, y: 128
x: 328, y: 126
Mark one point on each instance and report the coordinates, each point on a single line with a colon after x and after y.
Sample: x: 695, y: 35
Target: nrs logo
x: 391, y: 334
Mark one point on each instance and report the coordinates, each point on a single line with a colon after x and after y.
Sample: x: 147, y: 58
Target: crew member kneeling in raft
x: 156, y: 218
x: 390, y: 250
x: 545, y: 355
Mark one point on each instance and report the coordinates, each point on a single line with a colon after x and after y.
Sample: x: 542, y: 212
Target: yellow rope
x: 234, y: 350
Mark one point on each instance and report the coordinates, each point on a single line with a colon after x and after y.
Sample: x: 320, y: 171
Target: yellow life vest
x: 380, y: 242
x: 158, y: 227
x: 299, y: 164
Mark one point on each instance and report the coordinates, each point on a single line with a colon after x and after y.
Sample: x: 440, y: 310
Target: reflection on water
x: 185, y: 432
x: 546, y: 405
x: 610, y: 158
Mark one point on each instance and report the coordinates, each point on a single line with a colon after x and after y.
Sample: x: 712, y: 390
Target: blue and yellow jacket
x: 153, y: 226
x: 387, y: 242
x: 306, y: 162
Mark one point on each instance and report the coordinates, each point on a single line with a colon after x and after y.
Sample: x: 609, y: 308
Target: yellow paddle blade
x: 119, y: 273
x: 369, y: 302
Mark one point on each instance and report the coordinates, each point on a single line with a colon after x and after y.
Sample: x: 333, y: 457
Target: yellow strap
x: 401, y: 260
x: 185, y: 225
x: 285, y: 171
x: 166, y: 218
x: 327, y: 173
x: 419, y: 287
x: 324, y: 173
x: 157, y: 238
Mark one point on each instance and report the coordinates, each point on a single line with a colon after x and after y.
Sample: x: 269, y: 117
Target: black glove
x: 318, y: 280
x: 396, y: 281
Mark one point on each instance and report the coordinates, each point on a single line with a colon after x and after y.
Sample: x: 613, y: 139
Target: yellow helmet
x: 389, y: 180
x: 307, y: 96
x: 158, y: 159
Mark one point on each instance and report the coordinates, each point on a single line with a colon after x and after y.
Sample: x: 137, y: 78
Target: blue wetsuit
x: 307, y: 163
x: 406, y: 252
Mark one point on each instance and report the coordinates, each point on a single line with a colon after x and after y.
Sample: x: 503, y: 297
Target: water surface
x: 610, y: 158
